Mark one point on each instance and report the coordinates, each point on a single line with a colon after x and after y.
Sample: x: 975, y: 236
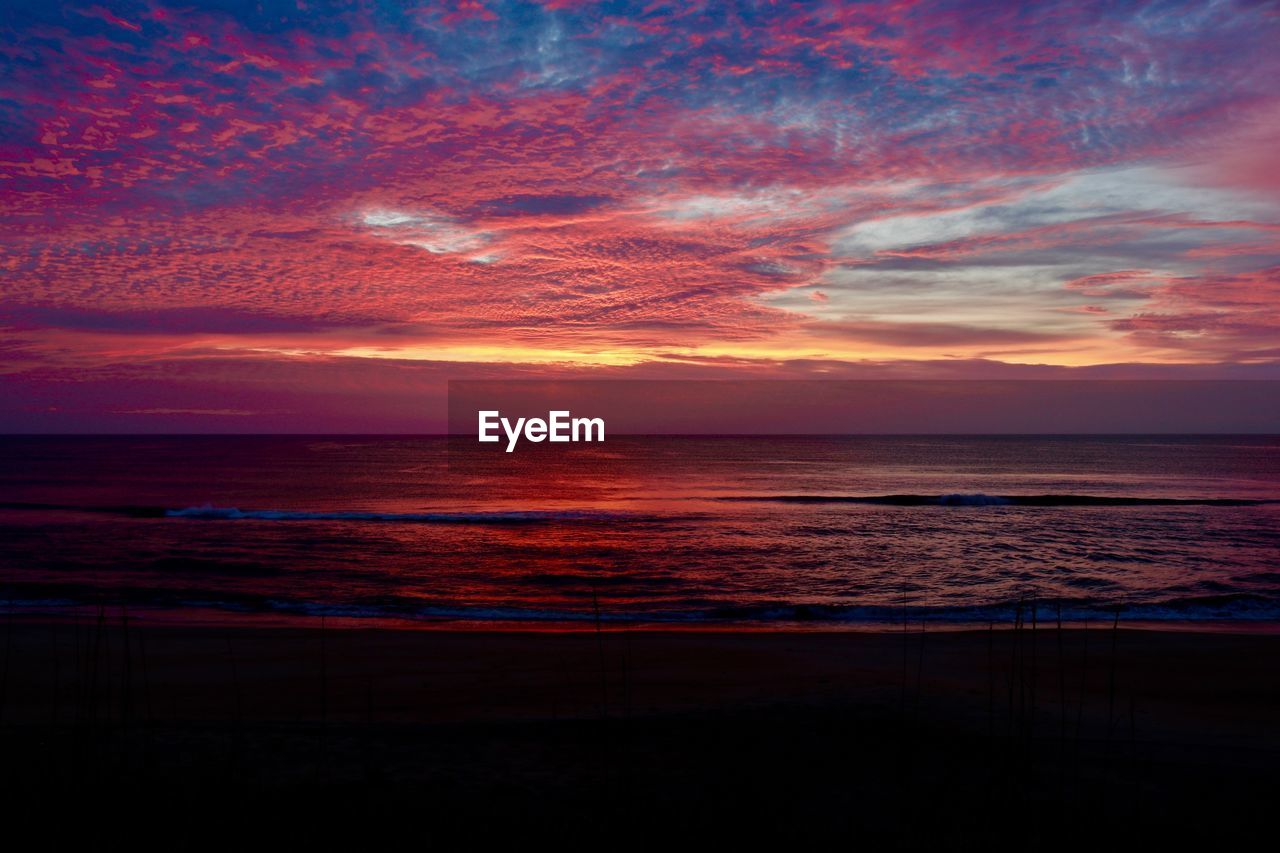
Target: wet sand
x: 164, y: 735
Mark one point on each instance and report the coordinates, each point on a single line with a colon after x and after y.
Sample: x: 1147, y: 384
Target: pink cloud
x: 195, y: 186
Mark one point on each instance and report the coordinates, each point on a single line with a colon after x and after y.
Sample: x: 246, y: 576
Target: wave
x: 979, y: 499
x: 212, y: 513
x: 1244, y: 607
x: 1237, y: 606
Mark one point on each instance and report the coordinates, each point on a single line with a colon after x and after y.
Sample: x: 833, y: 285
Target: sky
x: 289, y: 216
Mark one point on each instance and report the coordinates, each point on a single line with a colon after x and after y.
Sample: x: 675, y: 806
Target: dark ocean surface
x: 693, y: 531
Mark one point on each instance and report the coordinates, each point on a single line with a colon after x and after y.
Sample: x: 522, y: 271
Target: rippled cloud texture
x: 301, y: 216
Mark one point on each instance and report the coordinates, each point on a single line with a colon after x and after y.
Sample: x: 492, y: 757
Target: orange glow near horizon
x: 254, y: 221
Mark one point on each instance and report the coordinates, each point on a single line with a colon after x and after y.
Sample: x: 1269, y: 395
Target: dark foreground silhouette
x: 124, y: 735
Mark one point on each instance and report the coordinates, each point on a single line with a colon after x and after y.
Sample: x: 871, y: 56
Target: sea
x: 726, y: 532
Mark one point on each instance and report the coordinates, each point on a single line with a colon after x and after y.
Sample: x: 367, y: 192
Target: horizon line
x: 638, y: 434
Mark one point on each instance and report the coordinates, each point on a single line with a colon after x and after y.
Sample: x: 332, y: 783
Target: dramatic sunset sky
x: 291, y: 216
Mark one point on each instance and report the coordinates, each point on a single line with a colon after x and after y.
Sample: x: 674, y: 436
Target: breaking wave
x: 216, y: 513
x: 1232, y: 607
x: 979, y: 499
x: 213, y: 513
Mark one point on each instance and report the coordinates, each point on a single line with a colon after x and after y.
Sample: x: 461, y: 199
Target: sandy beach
x: 202, y: 733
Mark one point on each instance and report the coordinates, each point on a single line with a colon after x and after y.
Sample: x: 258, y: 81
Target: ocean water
x: 708, y: 531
